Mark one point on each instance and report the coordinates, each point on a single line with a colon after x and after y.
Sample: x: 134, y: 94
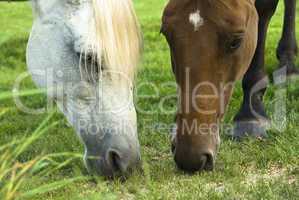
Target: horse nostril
x: 209, y: 162
x: 113, y: 163
x: 206, y: 162
x: 116, y: 162
x: 195, y: 162
x: 202, y: 162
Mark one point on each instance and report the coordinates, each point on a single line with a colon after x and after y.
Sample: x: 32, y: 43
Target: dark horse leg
x: 252, y: 118
x: 287, y: 48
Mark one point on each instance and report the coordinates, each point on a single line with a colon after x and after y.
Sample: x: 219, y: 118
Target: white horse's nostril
x: 113, y: 163
x: 117, y: 162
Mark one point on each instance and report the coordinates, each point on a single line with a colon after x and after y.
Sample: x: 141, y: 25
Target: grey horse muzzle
x: 112, y: 155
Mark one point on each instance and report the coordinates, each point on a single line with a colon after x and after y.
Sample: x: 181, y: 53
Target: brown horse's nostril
x: 205, y: 162
x: 209, y: 165
x: 193, y: 163
x: 202, y: 162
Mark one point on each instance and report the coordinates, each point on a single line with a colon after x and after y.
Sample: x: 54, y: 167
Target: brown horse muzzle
x: 192, y: 161
x: 196, y: 143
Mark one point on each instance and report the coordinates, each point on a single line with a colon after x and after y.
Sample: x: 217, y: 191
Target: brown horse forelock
x: 212, y: 43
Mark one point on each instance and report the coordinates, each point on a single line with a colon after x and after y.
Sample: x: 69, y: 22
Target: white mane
x: 118, y: 37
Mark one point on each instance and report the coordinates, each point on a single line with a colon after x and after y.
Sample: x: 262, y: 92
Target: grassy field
x: 248, y: 170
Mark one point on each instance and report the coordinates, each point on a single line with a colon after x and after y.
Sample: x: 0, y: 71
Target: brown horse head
x: 212, y: 43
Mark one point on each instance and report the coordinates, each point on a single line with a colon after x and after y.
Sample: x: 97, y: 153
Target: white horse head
x: 85, y: 52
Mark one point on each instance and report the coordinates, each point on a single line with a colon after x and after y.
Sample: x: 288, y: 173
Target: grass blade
x: 37, y: 133
x: 50, y: 187
x: 11, y: 94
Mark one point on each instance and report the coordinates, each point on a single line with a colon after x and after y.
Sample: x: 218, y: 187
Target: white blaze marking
x: 196, y: 20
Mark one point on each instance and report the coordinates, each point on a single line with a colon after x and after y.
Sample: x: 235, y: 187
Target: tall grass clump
x: 15, y: 175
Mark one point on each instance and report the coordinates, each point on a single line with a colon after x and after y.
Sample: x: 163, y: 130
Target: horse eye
x: 234, y: 44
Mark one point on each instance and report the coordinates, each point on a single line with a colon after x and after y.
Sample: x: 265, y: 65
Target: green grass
x: 247, y: 170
